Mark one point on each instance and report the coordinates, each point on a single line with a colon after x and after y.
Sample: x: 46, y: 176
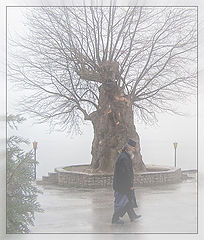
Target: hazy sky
x: 57, y: 149
x: 156, y: 143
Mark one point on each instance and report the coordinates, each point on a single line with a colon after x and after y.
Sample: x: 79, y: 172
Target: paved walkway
x: 164, y: 209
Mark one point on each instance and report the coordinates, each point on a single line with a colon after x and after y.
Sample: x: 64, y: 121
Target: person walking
x: 123, y: 178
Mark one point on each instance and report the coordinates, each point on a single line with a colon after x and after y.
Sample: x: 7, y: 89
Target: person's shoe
x: 135, y: 218
x: 117, y: 221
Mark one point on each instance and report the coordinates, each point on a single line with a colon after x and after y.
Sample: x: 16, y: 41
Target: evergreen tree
x: 21, y: 190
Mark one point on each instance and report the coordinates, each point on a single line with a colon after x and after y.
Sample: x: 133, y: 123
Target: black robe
x: 122, y: 182
x: 123, y: 173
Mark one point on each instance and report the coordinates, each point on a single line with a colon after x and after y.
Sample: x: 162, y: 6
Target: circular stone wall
x: 154, y: 175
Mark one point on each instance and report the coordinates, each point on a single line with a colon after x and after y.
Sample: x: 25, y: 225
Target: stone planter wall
x: 79, y: 179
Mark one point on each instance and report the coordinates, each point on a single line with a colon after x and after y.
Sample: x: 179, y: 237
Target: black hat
x: 131, y: 142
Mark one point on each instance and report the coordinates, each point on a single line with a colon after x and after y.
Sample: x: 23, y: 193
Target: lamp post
x: 175, y: 146
x: 35, y: 144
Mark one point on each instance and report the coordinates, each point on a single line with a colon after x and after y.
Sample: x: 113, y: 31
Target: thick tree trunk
x: 113, y: 124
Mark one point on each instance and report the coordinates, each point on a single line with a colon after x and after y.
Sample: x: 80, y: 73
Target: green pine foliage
x: 21, y: 189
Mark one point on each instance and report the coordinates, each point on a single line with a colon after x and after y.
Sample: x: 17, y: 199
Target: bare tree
x: 106, y: 65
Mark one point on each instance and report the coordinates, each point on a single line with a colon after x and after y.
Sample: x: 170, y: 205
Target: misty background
x: 56, y: 149
x: 167, y: 131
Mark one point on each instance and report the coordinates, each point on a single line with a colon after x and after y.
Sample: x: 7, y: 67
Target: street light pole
x: 175, y: 147
x: 35, y: 144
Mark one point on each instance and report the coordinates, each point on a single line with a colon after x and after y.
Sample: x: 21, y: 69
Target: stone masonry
x: 89, y: 180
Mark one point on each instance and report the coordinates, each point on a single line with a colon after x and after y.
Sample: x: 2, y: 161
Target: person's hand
x: 132, y: 188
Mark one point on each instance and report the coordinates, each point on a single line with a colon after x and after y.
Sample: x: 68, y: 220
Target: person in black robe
x: 123, y: 178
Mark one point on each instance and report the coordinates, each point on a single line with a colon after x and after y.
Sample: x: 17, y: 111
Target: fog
x: 59, y: 149
x: 56, y: 149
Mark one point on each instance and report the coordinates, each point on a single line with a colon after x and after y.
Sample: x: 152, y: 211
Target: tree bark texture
x: 113, y: 125
x: 97, y: 63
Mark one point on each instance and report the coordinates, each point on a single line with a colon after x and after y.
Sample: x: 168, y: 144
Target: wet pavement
x: 164, y: 208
